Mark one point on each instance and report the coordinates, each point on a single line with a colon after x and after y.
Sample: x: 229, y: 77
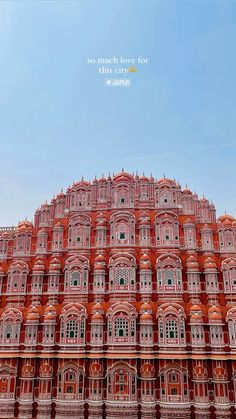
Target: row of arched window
x: 122, y: 383
x: 121, y: 276
x: 121, y: 322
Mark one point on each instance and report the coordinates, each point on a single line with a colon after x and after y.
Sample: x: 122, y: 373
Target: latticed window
x: 169, y: 278
x: 8, y: 330
x: 122, y: 275
x: 171, y: 329
x: 121, y: 327
x: 72, y: 329
x: 81, y: 329
x: 75, y: 280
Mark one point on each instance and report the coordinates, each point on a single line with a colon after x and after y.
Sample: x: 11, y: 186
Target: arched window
x: 121, y: 324
x: 122, y: 192
x: 7, y: 381
x: 167, y: 230
x: 4, y: 240
x: 121, y: 383
x: 73, y: 318
x: 57, y: 238
x: 17, y: 278
x: 10, y: 324
x: 231, y: 319
x: 42, y: 241
x: 228, y: 268
x: 76, y: 275
x: 171, y: 325
x: 122, y: 274
x: 80, y: 196
x: 22, y: 239
x: 79, y: 232
x: 70, y: 382
x: 227, y: 233
x: 174, y: 384
x: 169, y: 274
x: 200, y: 382
x: 122, y: 229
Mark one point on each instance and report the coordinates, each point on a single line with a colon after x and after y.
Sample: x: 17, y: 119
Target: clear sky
x: 58, y: 121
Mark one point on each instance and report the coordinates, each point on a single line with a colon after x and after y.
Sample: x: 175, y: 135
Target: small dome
x: 25, y: 225
x: 210, y: 263
x: 123, y: 177
x: 143, y: 178
x: 58, y: 225
x: 33, y: 309
x: 97, y: 317
x: 192, y: 263
x: 196, y: 317
x: 50, y: 309
x: 214, y: 309
x: 100, y: 258
x: 227, y: 222
x: 146, y: 307
x: 195, y: 307
x: 49, y: 317
x: 225, y: 217
x: 187, y: 191
x: 145, y: 265
x: 144, y: 223
x: 215, y: 317
x: 98, y: 267
x: 32, y: 317
x: 146, y: 317
x: 97, y: 308
x: 55, y: 265
x: 39, y: 266
x: 102, y: 180
x: 166, y: 181
x: 144, y: 258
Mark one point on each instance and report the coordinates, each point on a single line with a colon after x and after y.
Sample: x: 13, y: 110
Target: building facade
x: 119, y: 301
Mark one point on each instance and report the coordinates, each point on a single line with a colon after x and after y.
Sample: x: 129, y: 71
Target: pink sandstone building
x: 119, y: 301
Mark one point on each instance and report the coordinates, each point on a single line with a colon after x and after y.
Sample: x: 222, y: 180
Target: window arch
x: 79, y: 232
x: 80, y: 196
x: 73, y: 324
x: 70, y: 382
x: 169, y: 273
x: 122, y: 229
x: 171, y: 325
x: 10, y: 325
x: 174, y: 384
x: 17, y: 278
x: 121, y: 324
x: 122, y: 273
x: 4, y: 241
x: 167, y: 230
x: 231, y: 319
x: 228, y: 268
x: 122, y: 192
x: 121, y: 383
x: 76, y: 275
x: 7, y: 381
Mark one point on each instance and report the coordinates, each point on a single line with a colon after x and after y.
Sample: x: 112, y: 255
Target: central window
x: 171, y: 329
x: 122, y: 236
x: 121, y: 327
x: 75, y: 278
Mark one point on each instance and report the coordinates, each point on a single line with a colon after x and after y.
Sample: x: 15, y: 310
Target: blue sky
x: 59, y: 122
